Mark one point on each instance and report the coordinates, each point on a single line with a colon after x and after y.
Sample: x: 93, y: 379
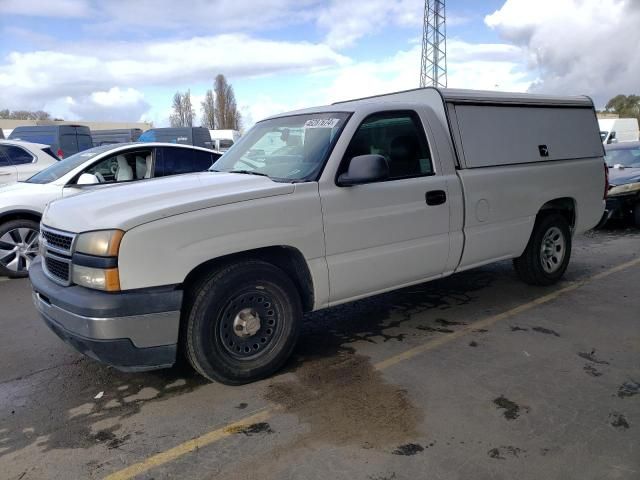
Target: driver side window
x: 123, y: 167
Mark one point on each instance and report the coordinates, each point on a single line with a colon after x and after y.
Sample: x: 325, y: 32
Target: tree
x: 24, y: 115
x: 209, y: 111
x: 625, y: 106
x: 183, y: 114
x: 226, y: 111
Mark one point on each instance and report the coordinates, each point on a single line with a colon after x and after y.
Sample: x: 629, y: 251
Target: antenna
x: 433, y: 67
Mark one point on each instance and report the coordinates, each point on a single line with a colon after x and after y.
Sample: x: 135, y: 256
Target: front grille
x: 58, y: 240
x: 57, y: 268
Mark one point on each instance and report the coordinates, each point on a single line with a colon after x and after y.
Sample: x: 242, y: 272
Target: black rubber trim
x: 120, y: 354
x: 94, y: 261
x: 94, y: 303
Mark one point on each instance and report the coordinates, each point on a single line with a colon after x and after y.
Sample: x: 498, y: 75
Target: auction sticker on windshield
x: 321, y: 123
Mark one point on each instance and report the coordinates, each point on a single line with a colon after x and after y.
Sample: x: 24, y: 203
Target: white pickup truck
x: 312, y: 209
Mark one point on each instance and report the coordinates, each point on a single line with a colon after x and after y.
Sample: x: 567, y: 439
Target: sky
x: 122, y: 60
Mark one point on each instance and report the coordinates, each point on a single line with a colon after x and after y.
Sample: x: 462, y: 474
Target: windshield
x: 287, y: 148
x: 627, y: 157
x: 57, y: 170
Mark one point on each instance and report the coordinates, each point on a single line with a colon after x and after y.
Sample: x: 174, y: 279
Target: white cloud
x: 115, y: 104
x: 27, y: 80
x: 477, y: 66
x: 46, y: 8
x: 348, y: 20
x: 576, y: 46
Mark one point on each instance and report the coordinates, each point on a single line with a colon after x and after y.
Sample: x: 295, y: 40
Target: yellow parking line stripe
x: 266, y: 413
x: 189, y: 446
x: 486, y: 322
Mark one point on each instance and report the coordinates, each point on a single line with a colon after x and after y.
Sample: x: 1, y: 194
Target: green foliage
x: 626, y: 106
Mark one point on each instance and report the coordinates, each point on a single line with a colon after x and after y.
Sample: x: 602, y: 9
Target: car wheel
x: 547, y: 255
x: 242, y: 323
x: 636, y: 215
x: 18, y: 247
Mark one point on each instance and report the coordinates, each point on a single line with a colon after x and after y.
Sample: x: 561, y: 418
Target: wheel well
x: 289, y: 259
x: 566, y: 206
x: 20, y: 215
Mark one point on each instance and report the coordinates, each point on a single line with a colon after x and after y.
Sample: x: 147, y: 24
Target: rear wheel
x: 18, y: 247
x: 547, y: 255
x: 243, y: 322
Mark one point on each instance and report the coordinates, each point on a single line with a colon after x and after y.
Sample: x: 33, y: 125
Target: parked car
x: 64, y: 140
x: 20, y: 160
x: 371, y: 196
x: 22, y: 204
x: 617, y: 130
x: 196, y: 136
x: 116, y: 135
x: 623, y: 199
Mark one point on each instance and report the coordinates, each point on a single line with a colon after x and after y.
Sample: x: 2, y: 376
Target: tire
x: 547, y: 255
x: 242, y: 323
x: 18, y: 247
x: 636, y: 215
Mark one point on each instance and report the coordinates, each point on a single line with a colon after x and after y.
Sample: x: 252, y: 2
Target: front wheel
x: 18, y: 247
x: 547, y: 255
x: 242, y: 323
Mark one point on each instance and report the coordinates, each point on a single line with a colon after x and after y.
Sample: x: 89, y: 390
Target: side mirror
x: 365, y: 169
x: 87, y: 179
x: 612, y: 138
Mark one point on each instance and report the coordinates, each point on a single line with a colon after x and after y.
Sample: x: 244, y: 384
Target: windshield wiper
x: 248, y: 172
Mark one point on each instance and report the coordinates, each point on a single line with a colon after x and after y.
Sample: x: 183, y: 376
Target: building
x: 8, y: 125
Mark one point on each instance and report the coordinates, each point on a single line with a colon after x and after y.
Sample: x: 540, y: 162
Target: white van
x: 223, y: 140
x: 614, y: 130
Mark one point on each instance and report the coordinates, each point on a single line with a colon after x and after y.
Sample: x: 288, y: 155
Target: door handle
x: 436, y: 197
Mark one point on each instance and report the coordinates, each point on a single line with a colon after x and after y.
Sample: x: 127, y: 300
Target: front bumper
x: 131, y: 331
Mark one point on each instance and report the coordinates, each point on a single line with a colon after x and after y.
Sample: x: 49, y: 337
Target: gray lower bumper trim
x: 144, y: 331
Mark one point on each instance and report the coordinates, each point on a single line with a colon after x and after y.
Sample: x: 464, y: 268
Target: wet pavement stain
x: 618, y: 420
x: 448, y: 323
x: 628, y: 389
x: 69, y: 423
x: 591, y: 356
x: 408, y: 449
x: 480, y: 330
x: 546, y: 331
x: 344, y: 400
x: 387, y: 476
x: 249, y: 430
x: 500, y: 453
x: 511, y: 409
x: 591, y: 370
x: 242, y: 406
x: 434, y: 329
x: 516, y: 328
x: 473, y: 343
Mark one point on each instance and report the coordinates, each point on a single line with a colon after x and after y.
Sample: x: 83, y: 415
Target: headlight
x: 103, y: 243
x: 97, y: 278
x: 98, y: 273
x: 622, y: 189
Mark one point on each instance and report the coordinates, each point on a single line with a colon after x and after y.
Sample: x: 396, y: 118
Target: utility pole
x: 433, y: 67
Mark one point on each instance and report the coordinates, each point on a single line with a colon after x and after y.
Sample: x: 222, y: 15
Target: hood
x: 622, y: 176
x: 129, y: 205
x: 27, y: 196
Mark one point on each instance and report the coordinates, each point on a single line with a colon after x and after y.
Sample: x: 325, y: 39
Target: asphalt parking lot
x: 475, y: 376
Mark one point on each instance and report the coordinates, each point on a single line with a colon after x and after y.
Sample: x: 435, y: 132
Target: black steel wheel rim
x: 240, y: 344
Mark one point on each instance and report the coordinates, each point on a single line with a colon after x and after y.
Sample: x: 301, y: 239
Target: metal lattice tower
x: 433, y: 67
